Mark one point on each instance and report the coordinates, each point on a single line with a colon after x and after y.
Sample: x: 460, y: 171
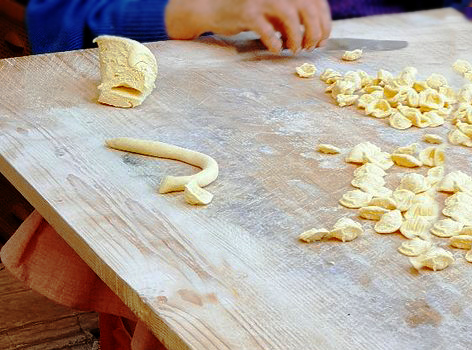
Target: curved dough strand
x: 208, y: 165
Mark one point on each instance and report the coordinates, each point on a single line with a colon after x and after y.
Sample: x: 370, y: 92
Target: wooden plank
x: 30, y: 321
x: 233, y: 275
x: 62, y: 333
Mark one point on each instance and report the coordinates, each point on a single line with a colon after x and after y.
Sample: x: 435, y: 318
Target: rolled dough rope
x: 208, y: 165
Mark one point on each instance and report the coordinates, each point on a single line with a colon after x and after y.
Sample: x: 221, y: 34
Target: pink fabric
x: 38, y: 256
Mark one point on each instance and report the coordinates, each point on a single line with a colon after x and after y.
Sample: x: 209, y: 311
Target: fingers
x: 268, y: 34
x: 287, y: 16
x: 325, y: 20
x: 312, y: 26
x: 316, y: 18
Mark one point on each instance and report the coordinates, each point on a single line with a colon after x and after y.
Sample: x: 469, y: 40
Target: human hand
x: 304, y: 24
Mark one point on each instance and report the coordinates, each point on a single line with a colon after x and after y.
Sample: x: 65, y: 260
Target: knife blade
x: 338, y: 44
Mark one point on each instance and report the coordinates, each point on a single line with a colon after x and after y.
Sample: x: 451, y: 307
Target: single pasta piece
x: 420, y: 86
x: 369, y: 168
x: 435, y: 174
x: 461, y: 241
x: 377, y: 191
x: 424, y: 206
x: 468, y: 256
x: 399, y: 121
x: 462, y: 66
x: 327, y: 149
x: 435, y: 81
x: 366, y: 79
x: 389, y: 222
x: 463, y: 114
x: 432, y: 138
x: 410, y: 149
x: 374, y: 90
x: 343, y: 86
x: 431, y: 99
x: 466, y: 128
x: 315, y: 234
x: 372, y: 212
x: 456, y: 181
x: 436, y: 259
x: 461, y: 214
x: 465, y: 93
x: 382, y: 159
x: 467, y: 230
x: 206, y: 176
x: 379, y: 109
x: 415, y: 247
x: 407, y: 77
x: 406, y: 160
x: 434, y: 118
x: 457, y: 207
x: 346, y: 100
x: 384, y: 202
x: 355, y: 199
x: 369, y: 97
x: 358, y: 152
x: 346, y: 230
x: 367, y: 181
x: 367, y: 152
x: 384, y: 77
x: 417, y: 118
x: 329, y: 76
x: 403, y: 199
x: 415, y: 183
x: 457, y: 137
x: 415, y: 227
x: 432, y: 156
x: 352, y: 55
x: 306, y: 70
x: 447, y: 228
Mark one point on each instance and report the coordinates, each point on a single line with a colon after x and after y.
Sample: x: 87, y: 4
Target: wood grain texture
x: 28, y: 320
x: 233, y: 275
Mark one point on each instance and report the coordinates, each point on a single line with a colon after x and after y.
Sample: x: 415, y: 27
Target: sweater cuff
x: 465, y: 6
x: 468, y: 12
x: 142, y: 20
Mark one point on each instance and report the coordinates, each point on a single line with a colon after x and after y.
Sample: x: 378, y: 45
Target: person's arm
x: 464, y: 6
x: 61, y: 25
x: 265, y: 17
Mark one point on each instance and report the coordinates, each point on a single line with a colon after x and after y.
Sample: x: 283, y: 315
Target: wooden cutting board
x: 233, y: 275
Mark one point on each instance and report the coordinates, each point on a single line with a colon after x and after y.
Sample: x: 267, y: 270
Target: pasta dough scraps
x: 128, y: 70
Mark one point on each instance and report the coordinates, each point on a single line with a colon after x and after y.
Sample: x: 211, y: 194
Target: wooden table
x: 233, y: 275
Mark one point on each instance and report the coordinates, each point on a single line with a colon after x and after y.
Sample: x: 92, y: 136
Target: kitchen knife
x: 342, y: 44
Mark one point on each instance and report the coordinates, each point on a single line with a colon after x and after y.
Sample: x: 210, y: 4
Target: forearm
x: 60, y: 25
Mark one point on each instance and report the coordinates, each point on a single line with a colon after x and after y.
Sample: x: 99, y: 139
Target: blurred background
x: 13, y: 38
